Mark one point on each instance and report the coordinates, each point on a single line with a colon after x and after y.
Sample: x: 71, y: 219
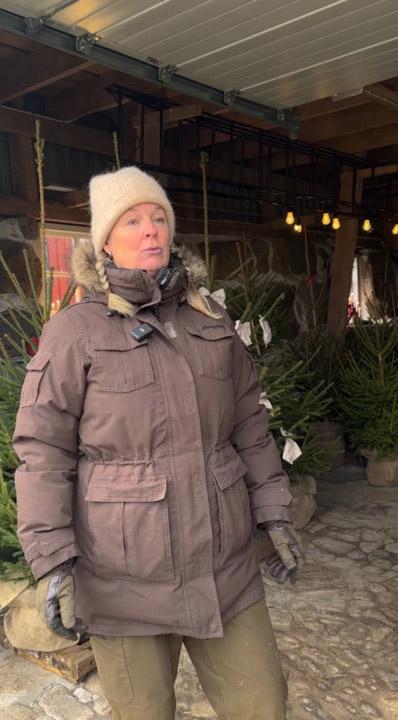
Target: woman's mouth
x: 153, y: 251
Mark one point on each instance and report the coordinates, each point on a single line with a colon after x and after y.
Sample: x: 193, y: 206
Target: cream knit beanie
x: 112, y: 193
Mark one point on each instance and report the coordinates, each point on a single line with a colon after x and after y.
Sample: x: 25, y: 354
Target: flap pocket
x: 39, y: 361
x: 232, y: 469
x: 56, y: 540
x: 210, y: 332
x: 212, y: 347
x: 117, y: 490
x: 115, y: 341
x: 35, y: 367
x: 121, y: 363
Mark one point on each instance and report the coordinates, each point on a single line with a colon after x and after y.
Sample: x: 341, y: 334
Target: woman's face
x: 140, y: 239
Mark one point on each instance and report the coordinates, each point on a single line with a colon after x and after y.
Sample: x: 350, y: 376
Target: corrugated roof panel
x: 347, y: 73
x: 329, y: 40
x: 241, y: 31
x: 197, y: 24
x: 278, y: 52
x: 309, y: 88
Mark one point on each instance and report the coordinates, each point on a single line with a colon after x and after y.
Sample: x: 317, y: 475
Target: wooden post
x: 343, y: 259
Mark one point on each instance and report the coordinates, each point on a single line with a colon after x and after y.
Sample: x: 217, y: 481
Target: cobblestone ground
x: 336, y: 629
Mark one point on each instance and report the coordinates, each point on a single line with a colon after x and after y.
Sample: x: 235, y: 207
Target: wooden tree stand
x: 73, y: 663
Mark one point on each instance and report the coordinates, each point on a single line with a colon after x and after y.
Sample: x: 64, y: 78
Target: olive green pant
x: 240, y: 673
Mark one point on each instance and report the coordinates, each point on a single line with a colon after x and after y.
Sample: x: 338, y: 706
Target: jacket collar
x: 137, y: 286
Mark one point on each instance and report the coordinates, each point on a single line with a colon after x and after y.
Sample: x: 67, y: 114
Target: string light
x: 289, y: 219
x: 325, y: 218
x: 395, y: 229
x: 297, y: 227
x: 367, y: 225
x: 336, y: 224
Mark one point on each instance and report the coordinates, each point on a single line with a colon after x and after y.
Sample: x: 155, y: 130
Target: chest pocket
x: 36, y: 368
x: 212, y: 345
x: 121, y: 364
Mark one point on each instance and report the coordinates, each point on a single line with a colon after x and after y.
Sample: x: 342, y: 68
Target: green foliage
x: 368, y: 388
x: 24, y: 320
x: 298, y: 391
x: 250, y: 296
x: 12, y: 562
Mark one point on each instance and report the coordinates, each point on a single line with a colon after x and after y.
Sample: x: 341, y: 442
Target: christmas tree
x: 294, y: 394
x: 24, y: 320
x: 367, y: 388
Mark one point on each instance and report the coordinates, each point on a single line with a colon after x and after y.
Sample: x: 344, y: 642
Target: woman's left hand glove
x: 289, y: 557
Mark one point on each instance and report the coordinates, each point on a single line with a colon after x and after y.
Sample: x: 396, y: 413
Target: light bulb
x: 395, y: 229
x: 297, y: 227
x: 367, y: 225
x: 289, y: 219
x: 325, y: 218
x: 336, y: 224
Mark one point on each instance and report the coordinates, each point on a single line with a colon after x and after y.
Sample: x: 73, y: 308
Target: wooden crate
x: 73, y: 663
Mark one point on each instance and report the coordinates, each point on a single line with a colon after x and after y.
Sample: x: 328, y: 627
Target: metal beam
x: 98, y: 53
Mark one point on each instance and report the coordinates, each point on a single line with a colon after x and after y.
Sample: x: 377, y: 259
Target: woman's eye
x: 160, y: 220
x: 132, y: 221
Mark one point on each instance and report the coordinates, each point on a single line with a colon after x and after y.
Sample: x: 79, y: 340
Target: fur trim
x: 85, y: 274
x: 83, y: 267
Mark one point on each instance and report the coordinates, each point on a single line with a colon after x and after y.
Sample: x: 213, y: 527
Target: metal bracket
x: 282, y: 115
x: 34, y: 25
x: 231, y: 95
x: 166, y: 72
x: 84, y: 43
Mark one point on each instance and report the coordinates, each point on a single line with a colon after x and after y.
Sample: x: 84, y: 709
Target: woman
x: 145, y: 464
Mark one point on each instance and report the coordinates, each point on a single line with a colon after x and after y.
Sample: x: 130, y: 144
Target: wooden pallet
x: 73, y: 663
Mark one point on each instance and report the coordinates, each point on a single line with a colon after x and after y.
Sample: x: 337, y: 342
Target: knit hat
x: 113, y: 193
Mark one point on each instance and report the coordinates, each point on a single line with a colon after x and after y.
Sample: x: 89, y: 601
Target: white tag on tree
x: 264, y: 401
x: 244, y: 331
x: 267, y: 333
x: 291, y: 451
x: 218, y: 295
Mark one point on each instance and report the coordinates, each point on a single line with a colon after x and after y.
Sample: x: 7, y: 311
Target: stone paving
x: 336, y: 629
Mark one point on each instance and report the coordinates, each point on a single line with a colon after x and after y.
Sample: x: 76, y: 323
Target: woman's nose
x: 150, y: 228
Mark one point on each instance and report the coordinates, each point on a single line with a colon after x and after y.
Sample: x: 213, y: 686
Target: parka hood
x: 85, y: 274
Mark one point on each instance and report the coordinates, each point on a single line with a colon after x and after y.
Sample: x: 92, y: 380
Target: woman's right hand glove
x: 55, y: 601
x: 288, y: 558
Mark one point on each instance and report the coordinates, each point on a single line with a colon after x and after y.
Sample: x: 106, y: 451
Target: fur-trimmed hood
x: 85, y: 273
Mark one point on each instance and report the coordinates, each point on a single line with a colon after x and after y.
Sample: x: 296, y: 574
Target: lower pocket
x: 129, y: 524
x: 234, y: 514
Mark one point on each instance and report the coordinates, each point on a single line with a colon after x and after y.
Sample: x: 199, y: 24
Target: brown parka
x: 149, y: 461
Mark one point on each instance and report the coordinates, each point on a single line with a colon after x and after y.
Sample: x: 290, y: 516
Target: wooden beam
x: 56, y: 212
x: 84, y: 98
x: 342, y: 260
x: 383, y: 94
x: 23, y: 168
x: 366, y: 140
x: 20, y: 122
x: 328, y: 106
x: 171, y: 116
x: 389, y: 153
x: 348, y: 122
x: 38, y: 69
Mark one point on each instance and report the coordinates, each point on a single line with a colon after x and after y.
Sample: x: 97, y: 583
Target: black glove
x: 289, y: 557
x: 55, y: 600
